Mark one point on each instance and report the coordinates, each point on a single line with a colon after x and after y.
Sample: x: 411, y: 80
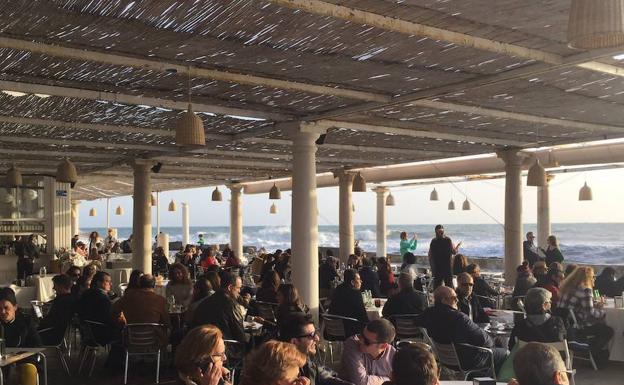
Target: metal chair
x: 89, y: 344
x: 580, y: 347
x: 406, y: 328
x: 448, y: 357
x: 122, y: 289
x: 235, y: 352
x: 266, y: 310
x: 334, y: 330
x: 61, y: 346
x: 143, y: 339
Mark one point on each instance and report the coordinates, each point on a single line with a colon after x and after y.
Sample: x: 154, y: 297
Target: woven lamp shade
x: 434, y: 195
x: 273, y: 209
x: 172, y: 206
x: 585, y: 193
x: 390, y: 200
x: 596, y: 24
x: 359, y: 183
x: 119, y: 210
x: 190, y: 129
x: 275, y: 192
x: 13, y: 177
x: 92, y: 212
x: 466, y: 205
x: 66, y: 172
x: 536, y: 175
x: 451, y: 205
x: 152, y: 200
x: 216, y: 195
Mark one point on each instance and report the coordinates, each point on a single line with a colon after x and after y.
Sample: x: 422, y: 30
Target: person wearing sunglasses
x: 299, y: 330
x: 539, y: 364
x: 367, y: 357
x: 467, y: 302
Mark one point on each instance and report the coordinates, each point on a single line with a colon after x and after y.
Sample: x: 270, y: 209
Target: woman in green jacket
x: 407, y: 245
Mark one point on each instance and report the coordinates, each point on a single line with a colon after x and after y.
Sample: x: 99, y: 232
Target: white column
x: 382, y: 193
x: 75, y: 217
x: 304, y: 229
x: 142, y: 218
x: 345, y: 215
x: 513, y: 213
x: 107, y: 214
x: 158, y: 212
x: 543, y: 212
x: 236, y: 220
x: 185, y: 224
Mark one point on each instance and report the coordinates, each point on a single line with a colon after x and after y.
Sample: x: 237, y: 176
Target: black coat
x: 21, y: 333
x: 407, y: 301
x: 553, y: 330
x: 472, y: 305
x: 370, y: 281
x: 347, y: 302
x: 221, y: 310
x: 95, y: 305
x: 483, y: 289
x: 446, y: 325
x: 58, y: 318
x: 319, y: 375
x: 327, y: 273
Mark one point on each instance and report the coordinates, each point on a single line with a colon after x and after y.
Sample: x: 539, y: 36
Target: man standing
x: 468, y: 303
x: 367, y: 357
x: 530, y: 250
x: 441, y: 251
x: 26, y: 252
x: 300, y: 331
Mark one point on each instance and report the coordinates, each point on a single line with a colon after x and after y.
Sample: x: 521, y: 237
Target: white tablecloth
x: 374, y: 312
x: 24, y: 295
x: 43, y: 287
x: 118, y: 276
x: 615, y: 319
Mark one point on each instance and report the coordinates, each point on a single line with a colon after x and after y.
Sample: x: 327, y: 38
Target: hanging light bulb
x: 585, y: 193
x: 216, y: 195
x: 119, y: 211
x: 66, y: 172
x: 359, y: 183
x: 536, y: 175
x: 172, y: 206
x: 152, y: 199
x: 13, y: 177
x: 466, y: 205
x: 434, y: 195
x: 275, y: 192
x: 451, y: 205
x: 273, y: 209
x: 92, y: 212
x: 390, y: 200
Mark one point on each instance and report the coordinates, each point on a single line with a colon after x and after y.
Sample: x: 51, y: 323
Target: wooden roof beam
x: 164, y: 67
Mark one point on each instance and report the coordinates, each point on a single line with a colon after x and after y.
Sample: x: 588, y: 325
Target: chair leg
x: 95, y: 351
x: 126, y: 370
x: 593, y: 363
x: 83, y: 353
x: 158, y: 367
x: 63, y: 361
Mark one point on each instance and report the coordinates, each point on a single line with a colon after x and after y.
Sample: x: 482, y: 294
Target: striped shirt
x: 581, y: 302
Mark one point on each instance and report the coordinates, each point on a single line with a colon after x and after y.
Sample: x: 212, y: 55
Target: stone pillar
x: 513, y: 213
x: 75, y: 217
x: 107, y: 214
x: 236, y: 220
x: 543, y: 212
x: 158, y: 212
x: 304, y: 236
x: 382, y: 193
x: 185, y: 224
x: 345, y: 218
x: 142, y: 218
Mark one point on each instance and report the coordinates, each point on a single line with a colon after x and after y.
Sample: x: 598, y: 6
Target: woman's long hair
x: 582, y: 276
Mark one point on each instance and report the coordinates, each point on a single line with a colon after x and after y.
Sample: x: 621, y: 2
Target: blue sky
x: 413, y: 205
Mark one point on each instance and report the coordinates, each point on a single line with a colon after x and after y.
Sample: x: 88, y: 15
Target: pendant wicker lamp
x: 273, y: 209
x: 585, y: 193
x: 66, y: 172
x: 13, y: 177
x: 275, y: 192
x: 216, y: 195
x: 172, y: 206
x: 119, y: 211
x: 451, y: 205
x: 390, y: 200
x: 152, y: 200
x: 434, y: 195
x: 359, y: 183
x: 190, y: 129
x: 596, y: 23
x: 536, y: 175
x: 93, y: 212
x: 466, y: 205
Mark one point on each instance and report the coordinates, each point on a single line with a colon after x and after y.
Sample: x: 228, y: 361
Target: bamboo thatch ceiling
x: 394, y: 81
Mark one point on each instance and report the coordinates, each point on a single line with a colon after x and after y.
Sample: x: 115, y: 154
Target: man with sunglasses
x: 299, y: 330
x: 367, y: 357
x: 467, y: 302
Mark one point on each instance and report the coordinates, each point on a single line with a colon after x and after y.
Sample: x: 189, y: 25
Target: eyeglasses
x: 312, y: 335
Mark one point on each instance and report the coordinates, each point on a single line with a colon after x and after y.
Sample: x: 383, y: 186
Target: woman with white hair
x: 539, y: 325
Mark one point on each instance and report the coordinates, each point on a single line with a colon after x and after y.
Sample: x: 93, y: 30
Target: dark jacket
x: 58, y: 318
x: 160, y: 264
x: 553, y: 255
x: 21, y: 333
x: 441, y: 250
x: 327, y: 274
x: 266, y: 294
x: 285, y: 311
x: 221, y: 310
x: 347, y: 302
x: 553, y: 330
x: 370, y: 281
x: 484, y: 292
x: 607, y: 286
x: 319, y: 375
x: 95, y: 305
x: 472, y: 308
x: 446, y: 325
x: 407, y: 301
x: 530, y: 255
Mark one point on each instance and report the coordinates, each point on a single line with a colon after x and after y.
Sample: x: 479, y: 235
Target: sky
x: 412, y: 204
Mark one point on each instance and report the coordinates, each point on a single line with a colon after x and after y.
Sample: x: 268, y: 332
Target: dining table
x: 614, y: 317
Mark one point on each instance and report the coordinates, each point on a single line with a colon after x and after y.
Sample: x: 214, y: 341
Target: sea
x: 593, y: 243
